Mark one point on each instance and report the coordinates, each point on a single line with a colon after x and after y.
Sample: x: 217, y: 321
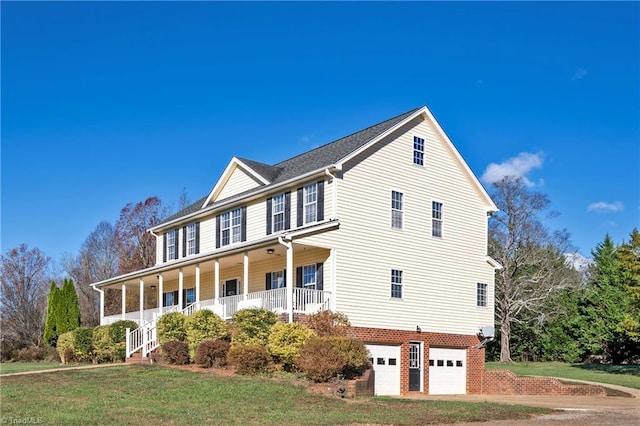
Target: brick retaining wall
x: 504, y: 382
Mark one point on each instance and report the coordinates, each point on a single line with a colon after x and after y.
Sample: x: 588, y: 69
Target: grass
x: 621, y: 375
x: 18, y: 367
x: 156, y: 394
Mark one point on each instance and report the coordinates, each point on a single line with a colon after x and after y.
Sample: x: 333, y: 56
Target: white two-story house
x: 387, y: 225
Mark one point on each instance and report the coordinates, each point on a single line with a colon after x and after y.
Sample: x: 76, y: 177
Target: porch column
x: 141, y: 301
x: 290, y: 280
x: 124, y: 300
x: 180, y: 287
x: 101, y: 306
x: 160, y: 292
x: 197, y: 283
x: 245, y: 277
x: 332, y: 297
x: 216, y: 279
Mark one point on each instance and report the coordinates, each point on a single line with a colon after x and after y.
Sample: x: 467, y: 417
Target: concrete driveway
x: 572, y: 410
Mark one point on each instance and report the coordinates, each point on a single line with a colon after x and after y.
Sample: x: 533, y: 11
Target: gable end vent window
x: 396, y: 284
x: 396, y: 210
x: 170, y: 245
x: 436, y: 219
x: 279, y: 213
x: 191, y: 239
x: 481, y: 295
x: 418, y: 151
x: 310, y: 203
x: 231, y: 227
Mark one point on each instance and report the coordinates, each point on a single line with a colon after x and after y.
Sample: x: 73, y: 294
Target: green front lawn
x: 621, y: 375
x: 156, y: 394
x: 18, y: 367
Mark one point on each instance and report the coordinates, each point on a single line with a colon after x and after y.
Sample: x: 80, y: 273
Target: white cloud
x: 579, y: 74
x: 515, y: 166
x: 603, y: 206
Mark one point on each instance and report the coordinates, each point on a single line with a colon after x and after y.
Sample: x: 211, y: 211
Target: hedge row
x: 255, y: 342
x: 95, y: 344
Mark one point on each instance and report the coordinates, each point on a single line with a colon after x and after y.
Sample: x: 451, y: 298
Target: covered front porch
x: 285, y: 278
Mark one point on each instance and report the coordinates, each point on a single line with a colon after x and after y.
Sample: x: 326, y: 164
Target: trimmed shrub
x: 249, y: 359
x: 31, y: 353
x: 83, y: 343
x: 286, y: 340
x: 356, y: 355
x: 202, y: 326
x: 102, y: 344
x: 65, y: 347
x: 320, y: 359
x: 252, y: 327
x: 118, y: 336
x: 171, y: 326
x: 327, y: 323
x: 212, y: 353
x: 325, y: 357
x: 176, y: 352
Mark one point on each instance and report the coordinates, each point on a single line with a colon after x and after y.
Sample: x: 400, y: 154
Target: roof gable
x: 238, y: 177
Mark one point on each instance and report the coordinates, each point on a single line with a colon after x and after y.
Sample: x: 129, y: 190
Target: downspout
x: 288, y: 244
x: 335, y: 189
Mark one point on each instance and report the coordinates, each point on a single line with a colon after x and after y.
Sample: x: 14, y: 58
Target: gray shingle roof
x: 318, y: 158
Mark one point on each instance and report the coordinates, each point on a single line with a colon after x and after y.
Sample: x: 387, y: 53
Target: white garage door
x: 447, y: 371
x: 386, y: 364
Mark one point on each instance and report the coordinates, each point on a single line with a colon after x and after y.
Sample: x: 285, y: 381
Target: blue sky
x: 108, y: 103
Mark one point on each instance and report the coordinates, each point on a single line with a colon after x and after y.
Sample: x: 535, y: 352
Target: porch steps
x: 137, y: 358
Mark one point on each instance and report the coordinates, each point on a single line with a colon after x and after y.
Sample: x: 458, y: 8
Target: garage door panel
x: 386, y: 364
x: 447, y: 371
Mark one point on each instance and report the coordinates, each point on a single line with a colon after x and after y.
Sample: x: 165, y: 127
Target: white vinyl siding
x: 436, y: 272
x: 238, y: 182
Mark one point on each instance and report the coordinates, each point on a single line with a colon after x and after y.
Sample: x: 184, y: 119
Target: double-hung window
x: 190, y: 232
x: 275, y: 280
x: 481, y: 295
x: 418, y: 151
x: 231, y: 227
x: 278, y: 212
x: 396, y: 209
x: 309, y: 279
x: 310, y: 198
x: 170, y: 245
x: 396, y: 284
x: 436, y: 219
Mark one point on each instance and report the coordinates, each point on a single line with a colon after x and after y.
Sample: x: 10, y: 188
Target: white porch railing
x: 147, y: 315
x: 144, y: 338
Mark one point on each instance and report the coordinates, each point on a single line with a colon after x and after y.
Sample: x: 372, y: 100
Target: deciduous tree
x: 23, y: 272
x: 533, y: 258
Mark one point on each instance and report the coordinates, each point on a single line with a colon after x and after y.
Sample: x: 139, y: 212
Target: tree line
x: 545, y: 308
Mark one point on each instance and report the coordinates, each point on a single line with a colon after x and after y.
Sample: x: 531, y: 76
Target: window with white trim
x: 396, y: 284
x: 231, y: 227
x: 396, y: 209
x: 310, y: 197
x: 278, y: 212
x: 418, y: 151
x: 276, y: 280
x: 481, y: 295
x: 436, y: 219
x: 309, y: 277
x: 191, y: 238
x: 172, y: 240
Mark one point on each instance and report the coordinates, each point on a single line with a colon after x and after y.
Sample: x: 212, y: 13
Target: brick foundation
x: 504, y: 382
x: 475, y: 356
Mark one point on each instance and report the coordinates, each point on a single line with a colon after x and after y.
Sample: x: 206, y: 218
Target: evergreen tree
x: 50, y: 330
x: 68, y: 310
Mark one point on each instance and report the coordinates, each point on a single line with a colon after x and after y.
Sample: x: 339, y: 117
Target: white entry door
x: 386, y: 365
x: 447, y: 371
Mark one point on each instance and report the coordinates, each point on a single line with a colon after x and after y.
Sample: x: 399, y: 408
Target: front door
x: 230, y: 288
x: 415, y: 367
